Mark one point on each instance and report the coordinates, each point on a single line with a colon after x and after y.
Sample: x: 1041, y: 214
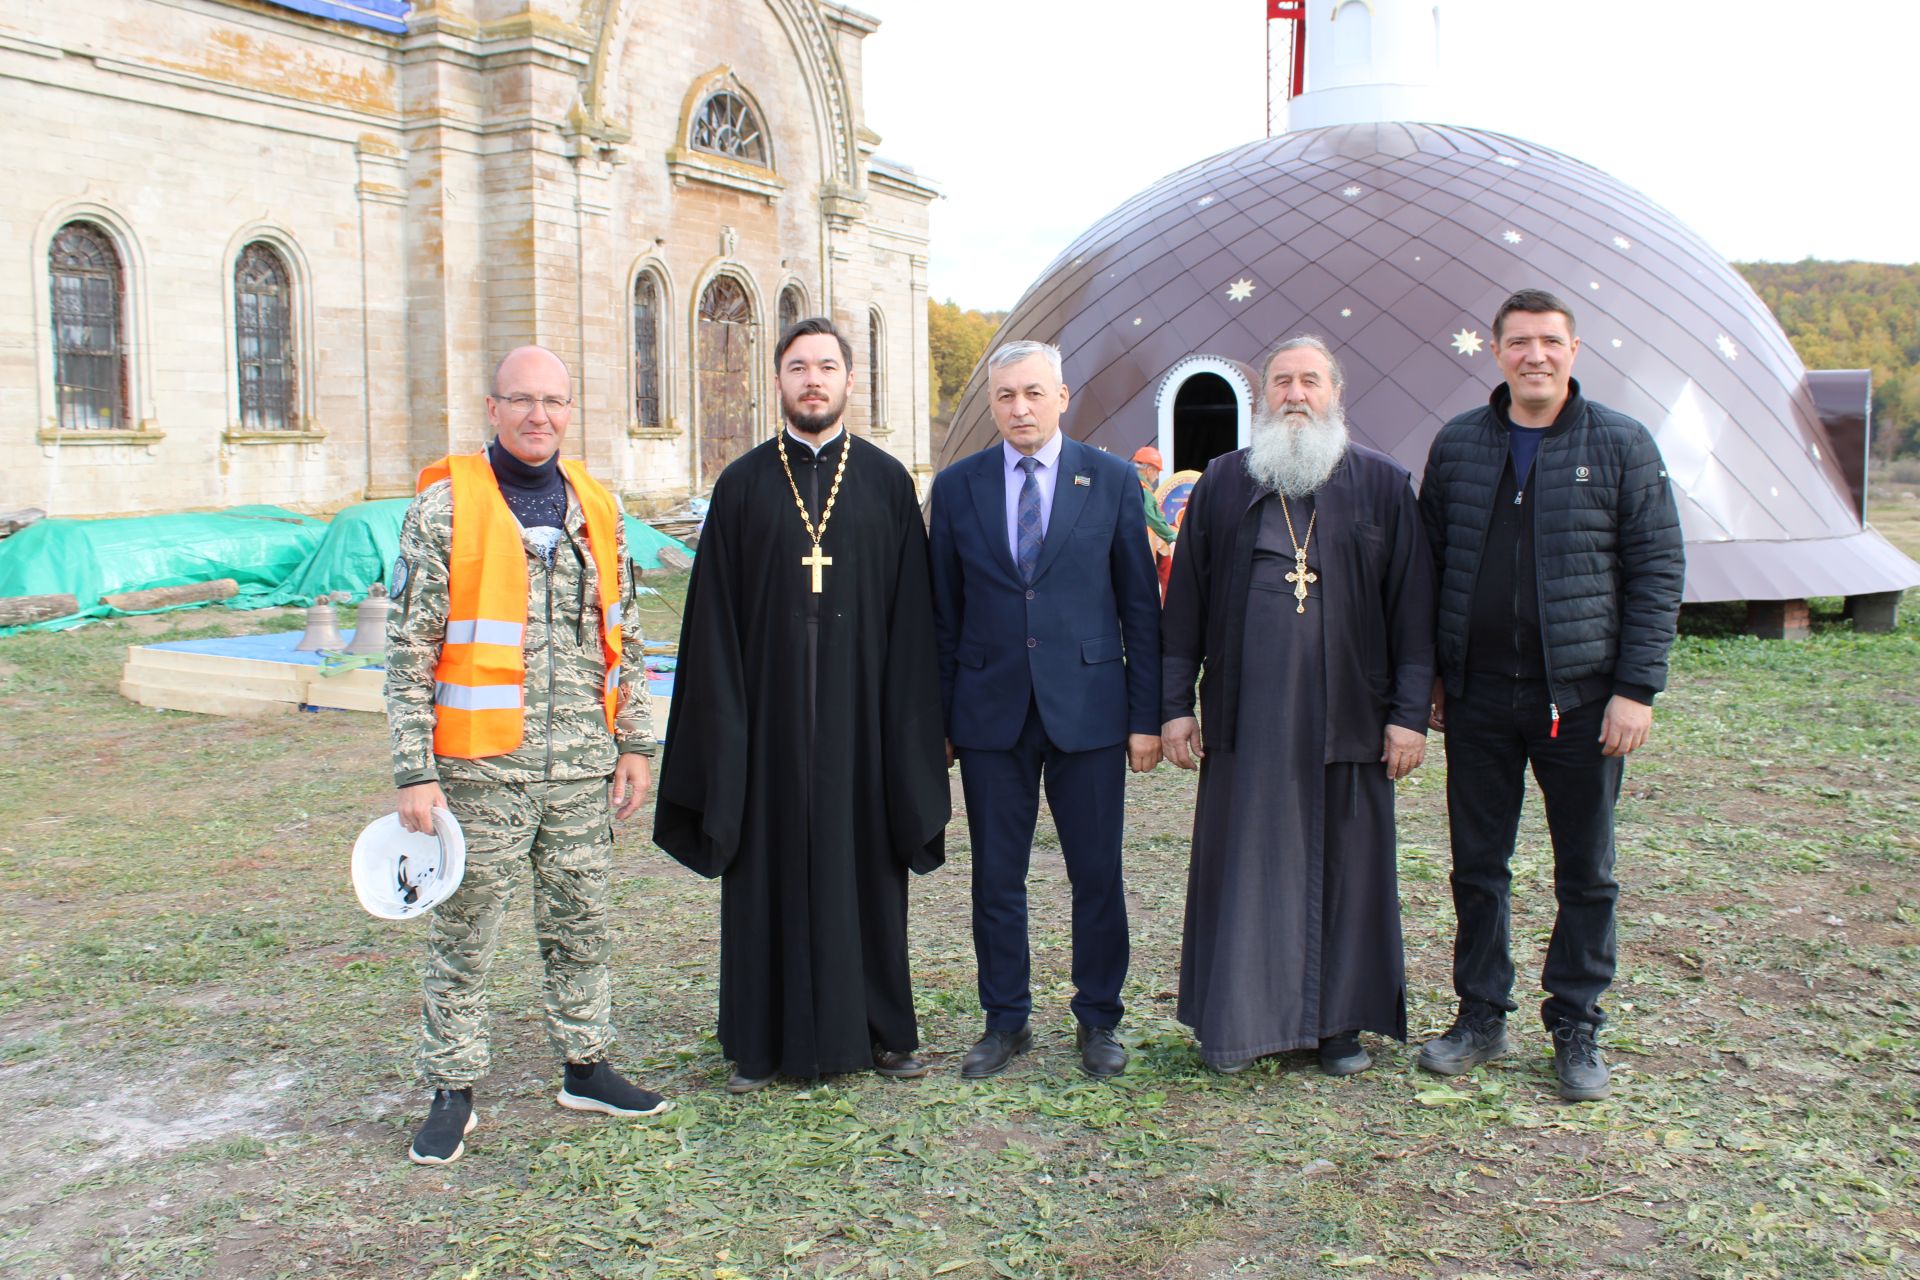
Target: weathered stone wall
x: 494, y: 177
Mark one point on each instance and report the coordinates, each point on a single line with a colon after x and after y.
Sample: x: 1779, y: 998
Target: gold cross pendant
x: 817, y: 562
x: 1300, y: 577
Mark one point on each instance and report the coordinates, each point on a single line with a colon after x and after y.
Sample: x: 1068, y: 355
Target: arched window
x: 89, y: 348
x: 793, y: 305
x: 263, y: 339
x: 726, y: 126
x: 647, y: 357
x: 876, y: 371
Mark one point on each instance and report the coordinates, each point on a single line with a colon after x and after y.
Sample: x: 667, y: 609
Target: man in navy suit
x: 1047, y: 615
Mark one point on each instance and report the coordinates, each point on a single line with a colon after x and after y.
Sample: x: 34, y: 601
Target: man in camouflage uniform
x: 547, y: 803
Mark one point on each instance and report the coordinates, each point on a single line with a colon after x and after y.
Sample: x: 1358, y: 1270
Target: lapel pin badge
x: 1084, y: 481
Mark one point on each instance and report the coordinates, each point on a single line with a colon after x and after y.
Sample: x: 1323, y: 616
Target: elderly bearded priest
x: 1303, y: 593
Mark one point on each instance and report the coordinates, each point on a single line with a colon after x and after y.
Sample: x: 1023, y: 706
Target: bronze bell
x: 370, y: 622
x: 323, y: 629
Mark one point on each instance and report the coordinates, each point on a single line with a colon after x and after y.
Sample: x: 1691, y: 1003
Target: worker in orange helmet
x: 1160, y: 533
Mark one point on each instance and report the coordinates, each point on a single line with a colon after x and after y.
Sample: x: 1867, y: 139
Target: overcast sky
x: 1778, y: 129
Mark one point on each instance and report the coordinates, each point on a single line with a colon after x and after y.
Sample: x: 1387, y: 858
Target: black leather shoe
x: 1342, y: 1055
x: 1473, y: 1038
x: 1101, y: 1053
x: 898, y: 1065
x: 450, y: 1119
x: 1576, y: 1060
x: 993, y: 1051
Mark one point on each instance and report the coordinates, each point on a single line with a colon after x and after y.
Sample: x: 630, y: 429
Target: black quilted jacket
x: 1607, y: 546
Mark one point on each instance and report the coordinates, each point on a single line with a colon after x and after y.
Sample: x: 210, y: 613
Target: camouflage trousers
x: 563, y: 830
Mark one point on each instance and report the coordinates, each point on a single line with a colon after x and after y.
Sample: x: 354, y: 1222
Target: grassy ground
x: 204, y: 1044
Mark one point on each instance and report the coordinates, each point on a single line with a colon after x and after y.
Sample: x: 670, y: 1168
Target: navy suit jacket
x: 1082, y: 640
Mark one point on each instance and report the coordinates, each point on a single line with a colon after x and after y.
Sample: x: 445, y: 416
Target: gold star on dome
x: 1467, y: 342
x: 1728, y: 347
x: 1240, y: 290
x: 1511, y: 236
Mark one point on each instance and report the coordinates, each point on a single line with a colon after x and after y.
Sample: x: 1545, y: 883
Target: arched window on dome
x: 876, y: 371
x: 89, y: 336
x: 649, y: 357
x: 263, y: 339
x: 726, y: 125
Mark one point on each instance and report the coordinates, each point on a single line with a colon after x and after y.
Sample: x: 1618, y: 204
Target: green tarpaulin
x: 363, y: 541
x: 258, y: 547
x: 277, y: 556
x: 358, y: 550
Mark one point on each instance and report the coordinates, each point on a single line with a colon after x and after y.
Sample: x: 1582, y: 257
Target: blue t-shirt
x: 1523, y: 443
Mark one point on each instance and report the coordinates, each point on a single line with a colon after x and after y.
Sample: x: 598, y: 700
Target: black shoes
x: 596, y: 1086
x: 1102, y: 1056
x: 1342, y: 1055
x: 993, y: 1051
x: 1473, y: 1038
x: 450, y: 1119
x: 743, y: 1082
x: 1576, y: 1060
x: 898, y: 1065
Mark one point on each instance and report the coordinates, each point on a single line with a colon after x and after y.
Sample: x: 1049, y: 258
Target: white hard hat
x: 400, y: 874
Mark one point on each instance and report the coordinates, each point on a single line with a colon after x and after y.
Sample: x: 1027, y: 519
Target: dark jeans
x: 1086, y: 791
x: 1494, y: 732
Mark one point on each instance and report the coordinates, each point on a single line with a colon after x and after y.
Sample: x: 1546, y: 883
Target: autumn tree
x: 1854, y: 315
x: 956, y: 339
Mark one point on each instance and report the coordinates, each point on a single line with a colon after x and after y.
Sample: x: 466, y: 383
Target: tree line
x: 1838, y: 315
x: 1854, y: 315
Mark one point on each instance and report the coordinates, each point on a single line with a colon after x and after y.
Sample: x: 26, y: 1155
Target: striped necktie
x: 1029, y: 520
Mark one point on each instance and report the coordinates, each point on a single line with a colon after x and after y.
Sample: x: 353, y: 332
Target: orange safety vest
x: 479, y: 685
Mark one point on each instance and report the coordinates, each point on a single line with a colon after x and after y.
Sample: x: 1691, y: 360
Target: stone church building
x: 264, y: 252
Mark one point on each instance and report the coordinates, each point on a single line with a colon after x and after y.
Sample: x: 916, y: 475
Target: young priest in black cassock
x: 805, y: 759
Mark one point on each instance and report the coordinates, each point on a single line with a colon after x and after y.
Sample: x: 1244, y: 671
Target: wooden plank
x: 204, y: 702
x: 266, y: 679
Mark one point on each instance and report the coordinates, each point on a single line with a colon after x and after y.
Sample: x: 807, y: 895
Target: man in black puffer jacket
x: 1557, y: 550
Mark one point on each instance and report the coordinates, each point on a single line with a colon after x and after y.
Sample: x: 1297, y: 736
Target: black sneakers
x: 1473, y: 1038
x: 596, y: 1086
x: 1576, y: 1060
x: 450, y: 1119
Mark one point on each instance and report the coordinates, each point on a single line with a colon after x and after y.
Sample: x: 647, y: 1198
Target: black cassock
x: 1293, y: 914
x: 804, y: 762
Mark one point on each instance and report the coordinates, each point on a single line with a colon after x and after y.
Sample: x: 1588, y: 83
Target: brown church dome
x: 1396, y: 243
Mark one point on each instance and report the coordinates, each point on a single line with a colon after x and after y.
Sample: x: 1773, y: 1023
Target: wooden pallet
x: 218, y: 685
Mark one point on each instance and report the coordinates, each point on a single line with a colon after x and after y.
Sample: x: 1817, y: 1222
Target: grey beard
x: 1296, y: 458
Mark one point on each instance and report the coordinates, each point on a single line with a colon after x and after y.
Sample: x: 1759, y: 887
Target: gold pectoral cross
x: 1300, y: 577
x: 817, y: 562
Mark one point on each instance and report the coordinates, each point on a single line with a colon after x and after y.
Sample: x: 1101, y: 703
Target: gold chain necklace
x: 816, y: 561
x: 1300, y: 576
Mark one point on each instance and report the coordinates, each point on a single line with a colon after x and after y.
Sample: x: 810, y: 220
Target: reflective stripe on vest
x: 479, y: 682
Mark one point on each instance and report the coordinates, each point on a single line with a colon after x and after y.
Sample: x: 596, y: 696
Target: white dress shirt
x: 1044, y: 475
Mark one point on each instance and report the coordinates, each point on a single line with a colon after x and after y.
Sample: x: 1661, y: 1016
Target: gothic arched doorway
x: 724, y: 364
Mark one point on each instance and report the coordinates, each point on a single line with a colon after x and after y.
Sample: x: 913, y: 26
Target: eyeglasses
x: 554, y: 405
